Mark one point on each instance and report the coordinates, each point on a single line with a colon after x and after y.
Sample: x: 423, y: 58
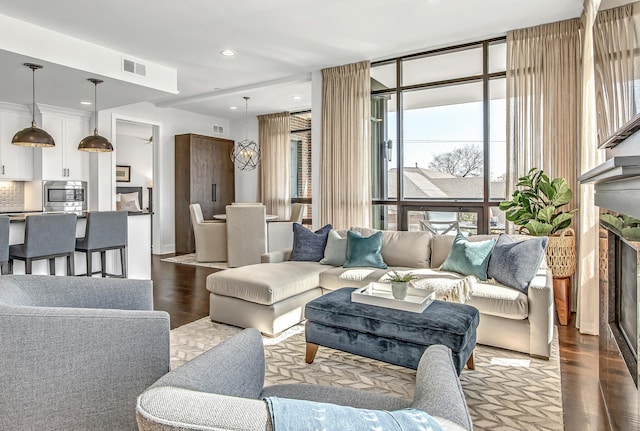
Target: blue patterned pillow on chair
x: 308, y: 246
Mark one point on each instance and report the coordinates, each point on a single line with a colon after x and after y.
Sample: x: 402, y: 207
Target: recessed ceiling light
x: 297, y: 98
x: 85, y: 102
x: 228, y: 53
x: 233, y: 108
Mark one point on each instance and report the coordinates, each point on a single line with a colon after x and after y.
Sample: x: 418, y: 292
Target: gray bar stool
x: 46, y: 237
x: 106, y: 230
x: 4, y: 244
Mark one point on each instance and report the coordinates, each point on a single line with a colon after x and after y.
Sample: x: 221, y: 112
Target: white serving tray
x: 379, y: 294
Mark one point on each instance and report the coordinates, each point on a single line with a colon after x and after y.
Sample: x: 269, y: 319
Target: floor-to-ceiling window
x: 438, y: 135
x: 301, y: 161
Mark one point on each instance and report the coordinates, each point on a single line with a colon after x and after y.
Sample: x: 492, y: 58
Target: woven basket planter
x: 561, y: 253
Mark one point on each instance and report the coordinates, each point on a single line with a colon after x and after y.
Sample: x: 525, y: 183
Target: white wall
x: 247, y: 182
x: 138, y: 155
x: 170, y: 122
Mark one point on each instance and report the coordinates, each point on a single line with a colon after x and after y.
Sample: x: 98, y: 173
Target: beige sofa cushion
x: 498, y: 300
x: 405, y: 249
x: 266, y: 283
x: 339, y: 277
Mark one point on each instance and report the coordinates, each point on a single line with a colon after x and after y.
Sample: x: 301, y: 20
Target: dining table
x: 269, y: 217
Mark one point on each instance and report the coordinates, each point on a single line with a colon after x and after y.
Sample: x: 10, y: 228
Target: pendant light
x: 32, y: 136
x: 95, y: 143
x: 246, y: 154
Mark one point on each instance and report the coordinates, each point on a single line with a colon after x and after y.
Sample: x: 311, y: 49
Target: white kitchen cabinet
x: 16, y: 162
x: 65, y: 161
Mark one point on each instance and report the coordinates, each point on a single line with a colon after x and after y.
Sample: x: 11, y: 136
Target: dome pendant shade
x: 33, y: 136
x: 95, y: 143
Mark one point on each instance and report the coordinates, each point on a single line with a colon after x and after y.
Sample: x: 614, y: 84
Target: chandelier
x: 246, y: 154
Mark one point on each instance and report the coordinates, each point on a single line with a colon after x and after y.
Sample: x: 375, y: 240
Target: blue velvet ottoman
x: 394, y: 336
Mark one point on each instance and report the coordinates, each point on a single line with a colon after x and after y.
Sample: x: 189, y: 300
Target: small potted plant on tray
x: 399, y: 283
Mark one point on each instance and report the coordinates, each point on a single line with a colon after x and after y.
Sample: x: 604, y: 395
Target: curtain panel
x: 345, y: 166
x: 543, y: 101
x: 615, y: 36
x: 275, y: 164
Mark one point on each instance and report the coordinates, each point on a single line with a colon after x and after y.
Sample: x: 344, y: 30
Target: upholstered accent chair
x: 246, y: 234
x: 210, y: 237
x: 222, y: 389
x: 280, y: 233
x: 77, y: 351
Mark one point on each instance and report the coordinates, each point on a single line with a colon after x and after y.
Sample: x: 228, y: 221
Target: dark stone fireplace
x: 617, y: 193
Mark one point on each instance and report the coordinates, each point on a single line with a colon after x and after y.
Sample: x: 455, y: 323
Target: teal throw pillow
x: 364, y: 251
x: 469, y: 258
x: 335, y: 253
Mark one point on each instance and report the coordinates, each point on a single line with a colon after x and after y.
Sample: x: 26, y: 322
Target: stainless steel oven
x: 64, y: 196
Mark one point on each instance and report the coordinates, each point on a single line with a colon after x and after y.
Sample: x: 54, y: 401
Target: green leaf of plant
x: 537, y: 228
x: 612, y: 220
x: 562, y: 218
x: 545, y: 214
x: 563, y: 193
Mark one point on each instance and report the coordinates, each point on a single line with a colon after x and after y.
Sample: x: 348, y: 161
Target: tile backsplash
x: 11, y: 196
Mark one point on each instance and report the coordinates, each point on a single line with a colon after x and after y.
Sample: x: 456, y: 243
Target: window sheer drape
x: 275, y: 163
x: 345, y: 166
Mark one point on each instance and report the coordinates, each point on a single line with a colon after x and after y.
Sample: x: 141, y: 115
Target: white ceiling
x: 278, y: 44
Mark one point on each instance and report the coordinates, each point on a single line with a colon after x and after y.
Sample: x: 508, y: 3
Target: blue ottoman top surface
x: 448, y: 323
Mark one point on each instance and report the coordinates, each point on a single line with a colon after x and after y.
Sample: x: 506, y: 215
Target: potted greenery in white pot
x: 399, y: 283
x: 534, y: 206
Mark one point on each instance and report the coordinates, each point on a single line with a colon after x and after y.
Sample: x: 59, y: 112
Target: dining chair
x: 210, y: 237
x: 280, y: 233
x: 246, y: 234
x: 106, y: 230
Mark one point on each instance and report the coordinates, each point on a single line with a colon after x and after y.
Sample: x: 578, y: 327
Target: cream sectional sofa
x: 271, y: 296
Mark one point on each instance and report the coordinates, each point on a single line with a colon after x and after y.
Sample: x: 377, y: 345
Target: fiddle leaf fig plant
x: 534, y: 205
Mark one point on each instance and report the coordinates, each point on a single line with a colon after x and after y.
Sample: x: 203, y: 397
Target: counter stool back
x: 106, y: 230
x: 46, y: 237
x: 4, y: 244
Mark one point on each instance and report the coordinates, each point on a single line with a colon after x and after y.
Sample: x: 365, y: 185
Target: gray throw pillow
x: 514, y: 264
x: 308, y: 246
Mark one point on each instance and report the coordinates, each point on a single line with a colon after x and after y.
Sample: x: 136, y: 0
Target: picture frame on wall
x: 123, y: 174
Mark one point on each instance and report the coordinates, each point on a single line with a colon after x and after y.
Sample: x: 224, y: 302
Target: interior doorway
x: 135, y: 153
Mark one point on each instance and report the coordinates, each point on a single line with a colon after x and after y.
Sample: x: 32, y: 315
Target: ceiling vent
x: 218, y: 129
x: 132, y: 66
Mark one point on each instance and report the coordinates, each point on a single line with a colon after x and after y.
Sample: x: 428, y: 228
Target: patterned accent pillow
x: 308, y: 246
x: 514, y: 264
x: 469, y: 258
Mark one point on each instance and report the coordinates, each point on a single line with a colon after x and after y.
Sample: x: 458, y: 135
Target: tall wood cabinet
x: 204, y: 175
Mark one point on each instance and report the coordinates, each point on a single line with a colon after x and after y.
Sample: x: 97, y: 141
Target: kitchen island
x: 138, y: 247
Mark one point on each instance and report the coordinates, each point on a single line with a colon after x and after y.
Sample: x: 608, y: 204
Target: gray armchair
x: 222, y: 390
x: 76, y: 352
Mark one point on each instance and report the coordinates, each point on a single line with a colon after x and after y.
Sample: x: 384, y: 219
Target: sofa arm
x: 84, y: 292
x: 234, y: 367
x: 169, y: 408
x: 540, y: 295
x: 438, y: 389
x: 276, y: 256
x: 78, y: 368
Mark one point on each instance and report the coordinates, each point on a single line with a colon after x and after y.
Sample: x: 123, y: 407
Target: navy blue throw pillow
x: 308, y: 246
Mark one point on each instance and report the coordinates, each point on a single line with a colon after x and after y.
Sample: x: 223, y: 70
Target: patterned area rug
x: 506, y: 391
x: 190, y: 259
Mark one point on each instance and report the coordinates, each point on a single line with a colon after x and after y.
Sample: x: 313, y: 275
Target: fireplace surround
x: 617, y: 193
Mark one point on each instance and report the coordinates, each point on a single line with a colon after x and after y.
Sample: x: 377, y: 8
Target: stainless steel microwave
x: 64, y: 196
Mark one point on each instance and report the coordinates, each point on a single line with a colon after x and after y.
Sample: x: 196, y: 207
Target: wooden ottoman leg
x: 470, y: 364
x: 311, y: 352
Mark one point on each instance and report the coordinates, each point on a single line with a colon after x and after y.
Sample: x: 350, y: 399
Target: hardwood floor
x: 180, y: 290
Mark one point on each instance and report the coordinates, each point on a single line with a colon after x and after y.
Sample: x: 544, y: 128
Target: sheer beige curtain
x: 345, y: 170
x: 588, y: 316
x: 543, y: 96
x: 275, y: 163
